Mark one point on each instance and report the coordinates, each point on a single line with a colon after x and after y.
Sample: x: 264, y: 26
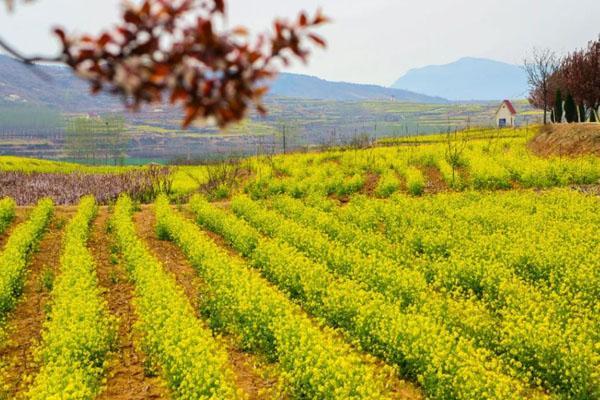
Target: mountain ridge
x: 467, y: 79
x: 65, y: 91
x: 312, y: 87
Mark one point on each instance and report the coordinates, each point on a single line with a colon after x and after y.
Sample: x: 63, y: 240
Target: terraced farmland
x: 377, y: 274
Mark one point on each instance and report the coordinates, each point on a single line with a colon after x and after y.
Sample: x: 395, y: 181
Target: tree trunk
x: 545, y: 105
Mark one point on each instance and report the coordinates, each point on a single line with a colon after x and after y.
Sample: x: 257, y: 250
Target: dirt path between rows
x: 252, y: 375
x: 24, y: 327
x: 127, y: 379
x: 435, y: 182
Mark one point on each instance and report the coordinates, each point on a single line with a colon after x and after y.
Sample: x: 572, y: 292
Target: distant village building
x: 506, y: 115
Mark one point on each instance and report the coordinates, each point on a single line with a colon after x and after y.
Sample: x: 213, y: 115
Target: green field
x: 158, y: 137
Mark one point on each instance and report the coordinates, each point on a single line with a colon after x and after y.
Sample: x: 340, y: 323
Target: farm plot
x: 468, y: 295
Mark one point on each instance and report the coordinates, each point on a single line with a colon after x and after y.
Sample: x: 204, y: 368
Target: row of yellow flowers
x: 79, y: 332
x: 314, y: 363
x: 496, y: 163
x: 546, y: 240
x: 399, y: 281
x: 447, y: 365
x: 529, y: 257
x: 15, y: 256
x: 7, y: 212
x: 175, y: 341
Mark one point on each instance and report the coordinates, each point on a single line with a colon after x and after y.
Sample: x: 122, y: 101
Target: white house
x: 506, y: 114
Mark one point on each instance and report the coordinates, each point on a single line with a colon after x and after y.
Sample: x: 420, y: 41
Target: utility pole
x: 284, y: 139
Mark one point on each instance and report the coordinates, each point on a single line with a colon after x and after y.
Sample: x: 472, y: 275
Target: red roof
x: 511, y: 108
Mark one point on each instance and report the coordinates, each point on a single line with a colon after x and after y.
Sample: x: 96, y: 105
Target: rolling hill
x: 467, y: 79
x: 310, y: 87
x: 56, y: 87
x: 18, y: 84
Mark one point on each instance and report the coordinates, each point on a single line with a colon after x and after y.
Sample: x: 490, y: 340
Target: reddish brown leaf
x: 178, y: 94
x: 317, y: 39
x: 220, y: 6
x: 303, y: 19
x: 104, y: 39
x: 131, y: 17
x: 190, y: 114
x: 177, y: 55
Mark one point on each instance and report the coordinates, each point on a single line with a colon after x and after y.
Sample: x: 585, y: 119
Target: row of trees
x: 26, y: 121
x: 97, y: 140
x: 569, y: 87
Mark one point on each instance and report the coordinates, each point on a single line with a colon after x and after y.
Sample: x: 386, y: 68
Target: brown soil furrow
x: 435, y: 180
x: 24, y: 327
x: 127, y: 378
x: 253, y: 375
x: 371, y: 181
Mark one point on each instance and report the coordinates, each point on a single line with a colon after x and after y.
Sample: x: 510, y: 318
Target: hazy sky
x: 370, y: 41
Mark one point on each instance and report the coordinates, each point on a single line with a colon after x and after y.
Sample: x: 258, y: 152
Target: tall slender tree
x: 570, y: 109
x: 558, y: 107
x: 581, y: 113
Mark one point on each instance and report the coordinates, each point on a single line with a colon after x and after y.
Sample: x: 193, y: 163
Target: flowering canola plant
x: 79, y: 332
x: 7, y: 212
x: 313, y: 362
x: 193, y: 364
x: 15, y: 256
x: 448, y: 366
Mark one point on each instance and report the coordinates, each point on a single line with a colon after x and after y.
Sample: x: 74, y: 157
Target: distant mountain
x: 310, y: 87
x: 467, y: 79
x: 63, y: 90
x: 51, y: 86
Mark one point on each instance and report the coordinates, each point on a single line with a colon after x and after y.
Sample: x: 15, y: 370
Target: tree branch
x: 30, y: 61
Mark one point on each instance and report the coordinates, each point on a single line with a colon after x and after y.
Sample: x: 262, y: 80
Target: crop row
x: 526, y: 232
x: 497, y: 168
x: 498, y: 247
x: 560, y: 361
x: 7, y: 212
x: 14, y: 258
x: 547, y: 240
x: 314, y: 363
x: 477, y: 164
x: 325, y: 181
x: 174, y: 340
x: 79, y: 331
x: 420, y: 236
x: 447, y: 365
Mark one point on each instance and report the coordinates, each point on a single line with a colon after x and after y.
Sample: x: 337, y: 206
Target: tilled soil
x: 127, y: 378
x: 250, y: 373
x: 24, y: 326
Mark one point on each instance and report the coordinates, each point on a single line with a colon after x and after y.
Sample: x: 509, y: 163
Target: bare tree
x: 540, y: 68
x: 456, y: 145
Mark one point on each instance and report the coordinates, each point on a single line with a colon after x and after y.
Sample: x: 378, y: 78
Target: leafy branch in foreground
x: 175, y: 48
